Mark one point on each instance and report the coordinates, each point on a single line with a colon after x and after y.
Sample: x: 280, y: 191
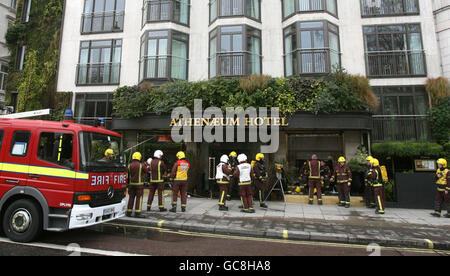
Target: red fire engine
x: 57, y: 176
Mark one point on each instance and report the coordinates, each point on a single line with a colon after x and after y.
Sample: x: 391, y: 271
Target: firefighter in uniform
x: 223, y: 177
x: 343, y: 177
x: 376, y: 180
x: 136, y: 172
x: 443, y: 188
x: 368, y: 191
x: 243, y: 173
x: 180, y: 181
x: 260, y: 177
x: 314, y: 179
x: 233, y: 181
x: 157, y: 170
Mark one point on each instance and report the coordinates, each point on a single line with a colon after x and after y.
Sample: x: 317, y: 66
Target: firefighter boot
x: 436, y: 214
x: 320, y: 202
x: 251, y: 210
x: 263, y: 205
x: 347, y: 205
x: 223, y: 208
x: 138, y: 215
x: 311, y: 202
x: 447, y: 215
x: 162, y: 209
x: 128, y: 214
x: 183, y: 209
x: 174, y: 209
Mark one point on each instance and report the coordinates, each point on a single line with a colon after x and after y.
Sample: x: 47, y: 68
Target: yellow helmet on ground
x: 234, y: 154
x: 259, y: 156
x: 297, y: 190
x: 137, y: 156
x: 375, y: 162
x: 369, y: 158
x: 181, y: 155
x: 341, y: 159
x: 443, y: 162
x: 109, y: 152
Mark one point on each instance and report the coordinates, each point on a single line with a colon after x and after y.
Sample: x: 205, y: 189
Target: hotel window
x: 394, y: 51
x: 99, y: 62
x: 26, y: 9
x: 389, y: 7
x: 3, y: 76
x: 164, y: 56
x: 13, y: 4
x: 401, y: 114
x: 291, y: 7
x: 166, y: 10
x: 234, y: 51
x: 228, y: 8
x: 311, y: 48
x: 102, y: 16
x: 91, y: 106
x: 20, y: 58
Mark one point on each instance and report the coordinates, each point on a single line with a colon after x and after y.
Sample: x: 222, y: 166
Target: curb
x: 284, y: 234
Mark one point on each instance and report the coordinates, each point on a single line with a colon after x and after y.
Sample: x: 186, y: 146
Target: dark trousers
x: 315, y: 183
x: 246, y: 193
x: 151, y: 195
x: 182, y: 187
x: 379, y: 198
x: 135, y: 194
x: 259, y: 189
x: 343, y: 192
x: 223, y: 192
x: 441, y: 198
x: 369, y: 195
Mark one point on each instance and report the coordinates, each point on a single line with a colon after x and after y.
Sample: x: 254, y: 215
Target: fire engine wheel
x: 22, y: 221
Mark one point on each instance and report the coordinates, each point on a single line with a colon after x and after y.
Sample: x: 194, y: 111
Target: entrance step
x: 327, y: 200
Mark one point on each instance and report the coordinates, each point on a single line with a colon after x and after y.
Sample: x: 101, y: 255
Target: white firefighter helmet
x: 158, y: 154
x: 149, y: 161
x: 242, y: 158
x: 224, y: 159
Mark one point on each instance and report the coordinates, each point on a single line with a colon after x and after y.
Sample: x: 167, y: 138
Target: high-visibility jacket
x: 136, y: 173
x: 314, y: 169
x: 342, y: 174
x: 223, y: 173
x: 442, y: 176
x: 157, y: 168
x: 243, y: 173
x: 180, y: 170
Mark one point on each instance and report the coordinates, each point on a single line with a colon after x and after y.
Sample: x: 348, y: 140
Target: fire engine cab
x: 57, y: 176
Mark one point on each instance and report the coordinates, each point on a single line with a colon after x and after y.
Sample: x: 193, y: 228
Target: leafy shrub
x: 359, y: 163
x: 400, y: 149
x: 439, y: 119
x: 438, y: 89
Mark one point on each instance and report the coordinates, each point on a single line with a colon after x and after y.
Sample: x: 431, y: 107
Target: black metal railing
x: 99, y: 73
x: 395, y: 64
x: 400, y: 128
x: 164, y: 67
x: 389, y: 7
x: 312, y: 61
x: 169, y: 10
x: 232, y: 64
x: 102, y: 22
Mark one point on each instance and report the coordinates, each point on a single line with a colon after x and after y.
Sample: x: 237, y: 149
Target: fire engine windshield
x: 100, y: 153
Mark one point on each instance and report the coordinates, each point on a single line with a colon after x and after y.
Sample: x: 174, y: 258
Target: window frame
x: 413, y: 91
x: 408, y: 45
x: 11, y: 146
x: 169, y: 54
x: 217, y: 33
x: 115, y: 13
x: 113, y: 45
x: 326, y: 30
x: 145, y: 19
x: 55, y: 133
x: 390, y: 15
x: 245, y: 12
x: 297, y: 9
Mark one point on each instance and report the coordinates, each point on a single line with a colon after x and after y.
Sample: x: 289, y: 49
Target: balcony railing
x: 98, y: 74
x: 164, y: 67
x: 389, y: 7
x: 236, y: 64
x: 400, y: 128
x: 311, y: 61
x: 102, y: 22
x: 169, y: 10
x: 395, y: 64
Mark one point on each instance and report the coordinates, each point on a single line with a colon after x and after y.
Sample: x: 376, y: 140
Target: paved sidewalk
x: 359, y: 225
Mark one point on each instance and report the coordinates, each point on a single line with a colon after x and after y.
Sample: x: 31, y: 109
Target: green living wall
x: 36, y: 83
x: 338, y: 92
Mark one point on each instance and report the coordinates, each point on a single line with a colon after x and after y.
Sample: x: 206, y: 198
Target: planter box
x: 415, y: 190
